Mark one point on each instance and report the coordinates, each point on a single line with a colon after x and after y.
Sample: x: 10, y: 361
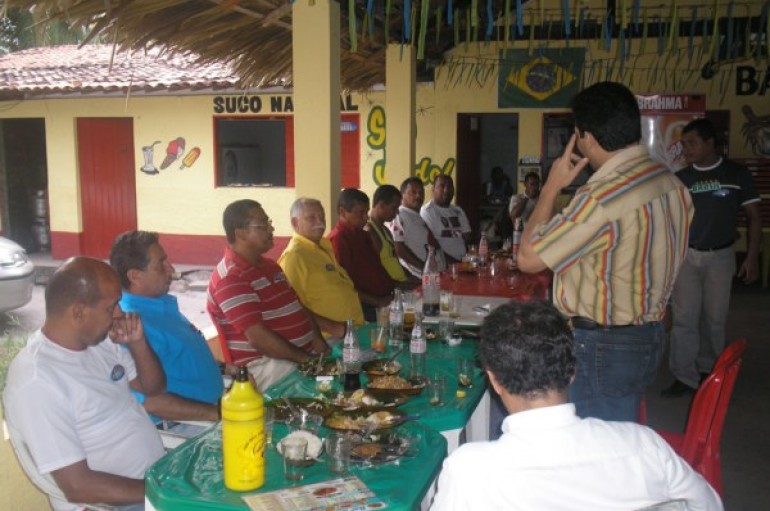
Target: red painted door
x: 107, y: 183
x: 350, y: 156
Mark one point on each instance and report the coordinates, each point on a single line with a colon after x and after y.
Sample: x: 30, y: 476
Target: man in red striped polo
x: 252, y: 305
x: 615, y: 250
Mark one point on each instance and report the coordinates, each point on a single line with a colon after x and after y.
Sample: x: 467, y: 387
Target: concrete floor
x: 746, y: 437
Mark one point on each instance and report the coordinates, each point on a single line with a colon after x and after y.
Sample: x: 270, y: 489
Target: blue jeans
x: 614, y: 368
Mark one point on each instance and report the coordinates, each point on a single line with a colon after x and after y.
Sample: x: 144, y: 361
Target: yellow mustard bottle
x: 243, y: 435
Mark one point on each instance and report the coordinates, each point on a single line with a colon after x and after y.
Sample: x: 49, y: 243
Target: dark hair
x: 703, y: 128
x: 130, y: 251
x: 75, y: 281
x: 411, y: 181
x: 610, y: 112
x: 528, y: 346
x: 442, y: 176
x: 349, y: 197
x: 236, y: 216
x: 386, y: 194
x: 532, y: 175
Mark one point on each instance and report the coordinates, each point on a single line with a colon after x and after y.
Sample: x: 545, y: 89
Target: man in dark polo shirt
x: 701, y: 296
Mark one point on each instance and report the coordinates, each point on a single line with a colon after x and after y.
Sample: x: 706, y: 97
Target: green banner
x: 548, y: 78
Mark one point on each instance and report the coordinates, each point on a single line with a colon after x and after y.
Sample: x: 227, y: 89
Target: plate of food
x: 320, y: 367
x: 364, y: 419
x: 381, y: 367
x: 362, y: 399
x: 381, y: 447
x: 315, y: 445
x: 394, y: 385
x: 286, y: 409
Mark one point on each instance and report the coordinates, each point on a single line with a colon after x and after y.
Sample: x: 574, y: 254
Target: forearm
x: 151, y: 379
x: 331, y: 327
x: 754, y: 238
x: 405, y: 253
x: 274, y: 346
x: 528, y: 260
x: 374, y: 300
x: 81, y: 484
x: 172, y: 407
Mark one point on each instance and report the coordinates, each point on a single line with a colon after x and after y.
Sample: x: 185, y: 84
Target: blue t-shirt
x: 190, y: 368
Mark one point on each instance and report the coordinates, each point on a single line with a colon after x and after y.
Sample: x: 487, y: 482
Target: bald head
x: 77, y: 281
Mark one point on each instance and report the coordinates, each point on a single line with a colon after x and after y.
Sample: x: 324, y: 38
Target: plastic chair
x: 699, y: 444
x: 44, y: 482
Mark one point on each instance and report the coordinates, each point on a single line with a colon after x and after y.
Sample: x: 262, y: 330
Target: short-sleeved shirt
x: 241, y: 295
x: 355, y: 252
x: 321, y: 283
x: 71, y: 406
x: 409, y: 228
x: 529, y: 207
x: 618, y: 245
x: 387, y: 254
x: 718, y: 193
x: 448, y: 225
x: 190, y: 368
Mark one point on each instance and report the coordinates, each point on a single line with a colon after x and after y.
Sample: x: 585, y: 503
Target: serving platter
x: 283, y: 411
x: 373, y: 419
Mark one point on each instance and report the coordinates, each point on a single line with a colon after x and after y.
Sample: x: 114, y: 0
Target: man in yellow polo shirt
x: 322, y: 285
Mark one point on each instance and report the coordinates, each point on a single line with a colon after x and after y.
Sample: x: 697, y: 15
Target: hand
x: 749, y: 270
x: 319, y: 346
x: 127, y: 329
x: 566, y: 167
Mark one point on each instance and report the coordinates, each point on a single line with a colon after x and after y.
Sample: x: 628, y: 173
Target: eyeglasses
x: 266, y: 225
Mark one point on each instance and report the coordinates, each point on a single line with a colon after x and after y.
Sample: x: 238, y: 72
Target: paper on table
x: 349, y: 491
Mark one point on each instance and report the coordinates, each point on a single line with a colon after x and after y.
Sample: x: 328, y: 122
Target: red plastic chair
x: 699, y: 445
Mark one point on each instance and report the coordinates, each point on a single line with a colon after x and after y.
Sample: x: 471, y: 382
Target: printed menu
x: 348, y: 493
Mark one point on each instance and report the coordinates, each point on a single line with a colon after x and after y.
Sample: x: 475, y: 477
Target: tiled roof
x: 93, y: 69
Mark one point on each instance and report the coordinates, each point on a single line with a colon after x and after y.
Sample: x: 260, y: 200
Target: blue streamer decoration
x: 581, y: 22
x: 407, y: 20
x: 635, y: 8
x: 691, y: 37
x: 490, y: 21
x: 661, y: 39
x: 449, y: 13
x: 370, y: 12
x: 607, y: 32
x: 567, y: 19
x: 520, y: 17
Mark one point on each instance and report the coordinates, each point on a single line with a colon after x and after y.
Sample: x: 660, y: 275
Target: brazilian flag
x: 548, y: 78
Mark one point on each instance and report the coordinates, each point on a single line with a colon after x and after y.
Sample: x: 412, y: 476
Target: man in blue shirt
x: 193, y: 380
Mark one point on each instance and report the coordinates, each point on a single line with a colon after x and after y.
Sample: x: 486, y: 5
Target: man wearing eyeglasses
x: 260, y: 320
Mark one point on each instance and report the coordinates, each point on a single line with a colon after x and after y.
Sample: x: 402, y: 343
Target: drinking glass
x: 378, y: 337
x: 437, y: 390
x: 293, y: 451
x: 269, y: 421
x: 465, y: 372
x: 446, y: 328
x: 338, y: 453
x: 445, y: 299
x: 456, y: 305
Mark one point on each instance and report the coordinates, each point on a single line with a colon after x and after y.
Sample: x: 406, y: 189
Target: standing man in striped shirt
x: 259, y: 318
x: 615, y: 251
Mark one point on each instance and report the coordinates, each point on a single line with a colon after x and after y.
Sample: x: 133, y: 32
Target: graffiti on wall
x: 756, y: 132
x: 175, y: 150
x: 376, y: 136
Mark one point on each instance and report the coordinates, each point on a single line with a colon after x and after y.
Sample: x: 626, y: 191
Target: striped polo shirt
x: 618, y: 245
x: 241, y: 295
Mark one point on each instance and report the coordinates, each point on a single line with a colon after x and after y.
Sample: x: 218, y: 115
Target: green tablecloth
x: 441, y: 359
x: 189, y: 478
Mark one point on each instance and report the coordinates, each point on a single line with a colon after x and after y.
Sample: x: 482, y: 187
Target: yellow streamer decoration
x: 673, y: 27
x: 715, y: 31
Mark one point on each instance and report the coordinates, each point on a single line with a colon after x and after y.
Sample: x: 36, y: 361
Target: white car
x: 17, y: 276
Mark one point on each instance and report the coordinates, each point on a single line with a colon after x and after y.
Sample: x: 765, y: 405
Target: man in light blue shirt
x: 193, y: 380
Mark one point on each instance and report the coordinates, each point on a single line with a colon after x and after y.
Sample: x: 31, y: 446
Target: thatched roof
x: 252, y: 36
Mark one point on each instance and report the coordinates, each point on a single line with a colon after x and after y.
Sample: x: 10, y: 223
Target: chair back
x: 705, y: 422
x: 44, y: 482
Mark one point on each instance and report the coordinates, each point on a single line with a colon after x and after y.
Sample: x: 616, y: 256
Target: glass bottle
x: 418, y: 346
x: 483, y: 250
x: 396, y: 320
x: 351, y: 358
x: 431, y: 285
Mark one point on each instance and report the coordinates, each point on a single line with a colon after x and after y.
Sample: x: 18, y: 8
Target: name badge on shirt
x: 117, y: 373
x: 279, y: 277
x: 329, y: 267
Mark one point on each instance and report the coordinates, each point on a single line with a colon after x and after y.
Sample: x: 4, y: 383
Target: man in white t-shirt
x: 67, y: 394
x: 448, y: 223
x: 548, y: 458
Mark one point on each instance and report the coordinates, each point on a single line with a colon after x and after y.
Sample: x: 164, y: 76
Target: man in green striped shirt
x: 615, y: 250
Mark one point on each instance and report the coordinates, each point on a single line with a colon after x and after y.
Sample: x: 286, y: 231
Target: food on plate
x: 314, y: 444
x: 390, y: 382
x: 357, y: 399
x: 363, y: 421
x: 430, y: 334
x: 297, y: 407
x: 382, y: 367
x: 367, y: 450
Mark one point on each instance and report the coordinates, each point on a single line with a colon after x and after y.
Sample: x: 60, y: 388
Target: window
x: 259, y: 151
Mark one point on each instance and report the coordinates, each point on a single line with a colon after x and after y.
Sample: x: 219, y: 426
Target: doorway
x: 23, y: 183
x: 486, y: 141
x: 107, y: 182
